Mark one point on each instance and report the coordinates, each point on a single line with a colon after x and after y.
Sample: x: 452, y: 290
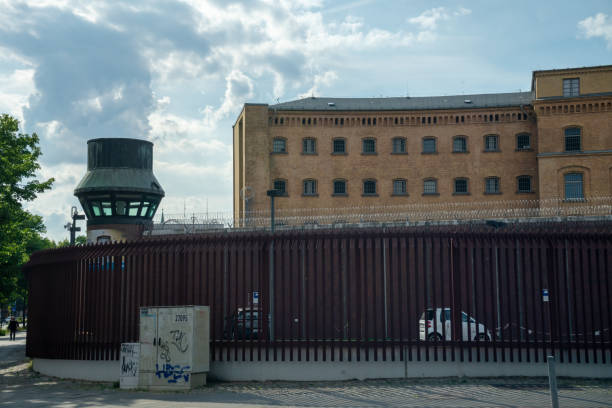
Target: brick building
x: 551, y: 144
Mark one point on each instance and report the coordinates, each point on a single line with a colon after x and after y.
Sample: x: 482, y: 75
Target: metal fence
x: 356, y: 294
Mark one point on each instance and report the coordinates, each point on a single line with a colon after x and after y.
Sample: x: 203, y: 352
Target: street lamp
x: 272, y: 194
x: 72, y: 226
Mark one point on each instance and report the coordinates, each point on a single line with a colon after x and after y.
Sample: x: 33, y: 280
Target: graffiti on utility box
x: 173, y: 373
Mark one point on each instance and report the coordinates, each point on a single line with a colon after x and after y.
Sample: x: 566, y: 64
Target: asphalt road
x: 21, y: 387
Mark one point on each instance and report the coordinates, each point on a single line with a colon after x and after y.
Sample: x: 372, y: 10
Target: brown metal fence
x: 383, y: 294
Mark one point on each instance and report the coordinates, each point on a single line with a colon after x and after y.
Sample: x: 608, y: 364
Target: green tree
x: 19, y: 229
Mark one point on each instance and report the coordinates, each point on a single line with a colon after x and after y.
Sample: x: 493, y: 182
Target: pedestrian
x: 12, y: 326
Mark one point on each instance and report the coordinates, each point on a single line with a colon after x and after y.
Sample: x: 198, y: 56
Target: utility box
x: 174, y: 347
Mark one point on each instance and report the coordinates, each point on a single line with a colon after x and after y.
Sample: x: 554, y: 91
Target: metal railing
x: 471, y: 294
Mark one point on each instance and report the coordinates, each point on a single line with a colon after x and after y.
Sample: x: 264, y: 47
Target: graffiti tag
x: 164, y: 351
x: 173, y: 373
x: 179, y: 340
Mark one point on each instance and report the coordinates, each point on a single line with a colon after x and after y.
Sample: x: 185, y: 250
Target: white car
x: 443, y: 328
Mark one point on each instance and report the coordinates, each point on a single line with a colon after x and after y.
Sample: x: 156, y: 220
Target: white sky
x: 178, y: 72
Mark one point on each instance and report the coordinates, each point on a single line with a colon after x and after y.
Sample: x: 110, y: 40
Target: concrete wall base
x: 332, y: 370
x: 90, y: 370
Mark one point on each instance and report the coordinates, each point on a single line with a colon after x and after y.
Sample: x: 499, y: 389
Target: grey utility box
x: 174, y: 347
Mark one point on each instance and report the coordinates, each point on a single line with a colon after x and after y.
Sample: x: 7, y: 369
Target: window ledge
x: 310, y: 154
x: 465, y: 194
x: 429, y: 152
x: 369, y: 195
x: 279, y: 153
x: 573, y: 151
x: 528, y: 149
x: 574, y: 200
x: 491, y: 151
x: 431, y: 194
x: 399, y: 194
x: 493, y: 193
x: 369, y: 153
x: 339, y: 153
x: 461, y: 152
x: 399, y: 153
x: 310, y: 195
x: 340, y: 195
x: 525, y: 192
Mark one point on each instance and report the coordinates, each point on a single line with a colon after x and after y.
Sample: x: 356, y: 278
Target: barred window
x: 430, y: 186
x: 459, y: 145
x: 369, y: 146
x: 399, y: 145
x: 491, y: 143
x: 492, y: 185
x: 523, y: 141
x: 572, y: 139
x: 461, y: 186
x: 280, y: 186
x: 309, y: 146
x: 429, y: 145
x: 339, y: 146
x: 571, y: 87
x: 574, y: 186
x: 340, y: 187
x: 369, y: 187
x: 310, y: 187
x: 279, y: 145
x: 399, y: 187
x: 524, y: 184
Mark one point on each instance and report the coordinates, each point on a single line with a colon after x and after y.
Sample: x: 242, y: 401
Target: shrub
x: 2, y: 332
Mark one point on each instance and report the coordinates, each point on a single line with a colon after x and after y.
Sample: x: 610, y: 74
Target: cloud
x: 174, y: 72
x: 428, y: 20
x: 599, y: 25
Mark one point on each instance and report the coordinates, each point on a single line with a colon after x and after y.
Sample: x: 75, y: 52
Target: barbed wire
x: 404, y: 213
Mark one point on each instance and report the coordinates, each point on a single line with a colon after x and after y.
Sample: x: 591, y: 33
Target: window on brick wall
x: 339, y: 146
x: 310, y: 187
x: 572, y: 139
x: 491, y: 143
x: 399, y: 145
x: 309, y: 145
x: 340, y: 187
x: 399, y: 187
x: 492, y: 185
x: 369, y: 187
x: 571, y: 87
x: 430, y: 186
x: 279, y: 145
x: 524, y: 184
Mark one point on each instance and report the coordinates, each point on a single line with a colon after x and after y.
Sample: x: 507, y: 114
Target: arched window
x: 399, y: 187
x: 572, y: 139
x: 574, y: 188
x: 339, y: 146
x: 492, y: 185
x: 309, y: 145
x: 310, y: 187
x: 369, y: 187
x: 429, y: 145
x: 523, y: 184
x: 459, y: 144
x: 279, y: 145
x: 369, y: 146
x: 491, y: 143
x: 430, y: 186
x: 399, y: 145
x: 340, y: 187
x: 461, y: 186
x: 523, y: 141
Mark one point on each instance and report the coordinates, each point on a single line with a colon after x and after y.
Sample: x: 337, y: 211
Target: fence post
x: 552, y: 381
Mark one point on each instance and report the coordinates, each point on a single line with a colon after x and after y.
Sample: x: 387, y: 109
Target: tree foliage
x: 19, y: 229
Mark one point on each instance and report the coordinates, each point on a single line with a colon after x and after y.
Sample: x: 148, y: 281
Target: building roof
x: 497, y: 100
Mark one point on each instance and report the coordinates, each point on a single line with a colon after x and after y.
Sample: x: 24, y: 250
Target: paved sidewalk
x: 21, y: 387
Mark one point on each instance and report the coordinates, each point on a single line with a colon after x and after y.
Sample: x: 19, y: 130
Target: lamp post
x: 272, y: 194
x: 72, y: 226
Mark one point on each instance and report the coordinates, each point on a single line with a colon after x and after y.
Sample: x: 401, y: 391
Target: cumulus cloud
x: 599, y: 25
x: 429, y: 19
x: 174, y: 72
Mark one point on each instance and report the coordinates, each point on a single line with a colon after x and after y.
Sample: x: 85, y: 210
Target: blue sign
x: 545, y: 295
x: 255, y: 298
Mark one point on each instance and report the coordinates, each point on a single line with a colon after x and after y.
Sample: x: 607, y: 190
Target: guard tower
x: 119, y: 192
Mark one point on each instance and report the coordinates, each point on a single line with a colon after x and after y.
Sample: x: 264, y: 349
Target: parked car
x: 443, y: 329
x: 244, y: 324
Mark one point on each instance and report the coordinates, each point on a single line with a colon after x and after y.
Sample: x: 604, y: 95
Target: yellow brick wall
x: 592, y: 80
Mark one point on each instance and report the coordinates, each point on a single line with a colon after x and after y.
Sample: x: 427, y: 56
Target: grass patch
x: 2, y: 332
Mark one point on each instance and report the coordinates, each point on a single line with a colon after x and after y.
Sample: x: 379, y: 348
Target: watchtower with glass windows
x: 119, y: 192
